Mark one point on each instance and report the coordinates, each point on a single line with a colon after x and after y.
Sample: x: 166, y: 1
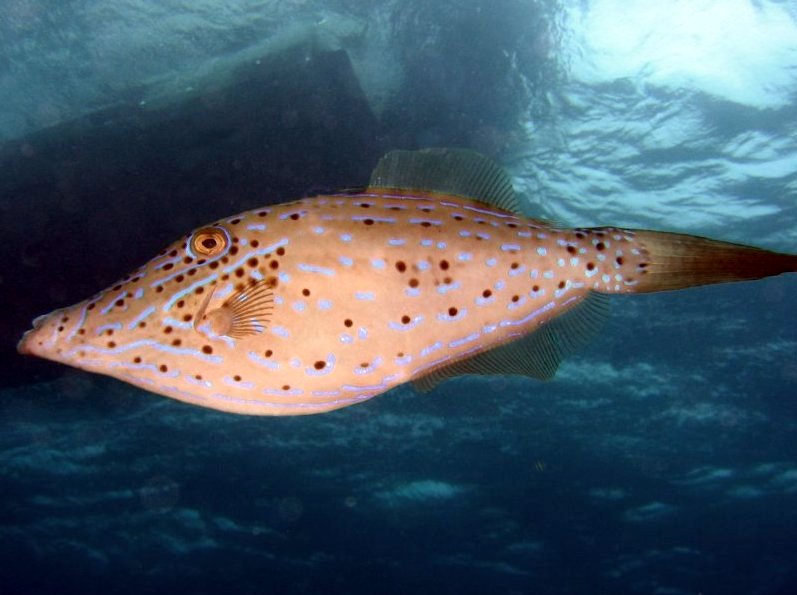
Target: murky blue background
x: 661, y: 459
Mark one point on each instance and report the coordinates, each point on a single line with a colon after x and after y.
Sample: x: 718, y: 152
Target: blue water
x: 660, y: 460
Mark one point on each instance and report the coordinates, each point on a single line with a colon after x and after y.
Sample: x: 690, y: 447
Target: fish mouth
x: 23, y: 346
x: 31, y: 342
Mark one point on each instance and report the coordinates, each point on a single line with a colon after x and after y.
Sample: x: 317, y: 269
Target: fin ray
x: 678, y: 261
x: 450, y: 171
x: 251, y: 309
x: 536, y: 355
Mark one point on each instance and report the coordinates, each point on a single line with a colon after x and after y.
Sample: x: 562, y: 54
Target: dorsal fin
x: 449, y: 171
x: 536, y: 355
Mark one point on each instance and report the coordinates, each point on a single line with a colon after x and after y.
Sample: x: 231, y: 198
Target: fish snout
x: 46, y: 337
x: 24, y: 345
x: 32, y: 342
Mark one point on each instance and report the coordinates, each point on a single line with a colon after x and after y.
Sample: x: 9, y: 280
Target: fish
x: 429, y: 272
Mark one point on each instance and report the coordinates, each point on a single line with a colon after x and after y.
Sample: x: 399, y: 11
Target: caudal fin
x: 677, y: 261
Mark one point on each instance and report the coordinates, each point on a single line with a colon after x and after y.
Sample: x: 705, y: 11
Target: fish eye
x: 209, y: 241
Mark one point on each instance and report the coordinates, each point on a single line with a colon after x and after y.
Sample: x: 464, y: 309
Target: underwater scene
x: 336, y: 296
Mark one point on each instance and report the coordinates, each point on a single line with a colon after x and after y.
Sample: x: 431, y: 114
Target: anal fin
x: 536, y: 355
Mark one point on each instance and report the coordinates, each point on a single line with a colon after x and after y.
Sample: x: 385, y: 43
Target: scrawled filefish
x: 429, y: 272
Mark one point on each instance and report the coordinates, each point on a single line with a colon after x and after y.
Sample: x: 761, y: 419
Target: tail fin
x: 677, y: 261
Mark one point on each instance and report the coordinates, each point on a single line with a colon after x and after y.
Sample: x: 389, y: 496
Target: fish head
x: 197, y: 293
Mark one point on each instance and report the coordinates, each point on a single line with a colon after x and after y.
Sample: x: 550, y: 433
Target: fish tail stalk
x: 668, y: 261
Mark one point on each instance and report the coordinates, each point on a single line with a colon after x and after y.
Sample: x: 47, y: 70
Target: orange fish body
x: 325, y: 302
